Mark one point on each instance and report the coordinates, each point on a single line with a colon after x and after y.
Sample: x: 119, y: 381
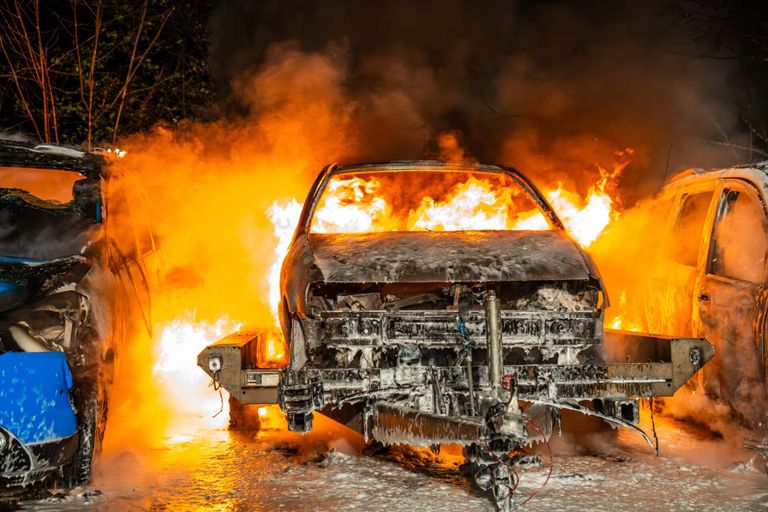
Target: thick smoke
x: 553, y: 88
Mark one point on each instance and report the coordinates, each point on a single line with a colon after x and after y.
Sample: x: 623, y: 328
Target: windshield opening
x: 446, y: 200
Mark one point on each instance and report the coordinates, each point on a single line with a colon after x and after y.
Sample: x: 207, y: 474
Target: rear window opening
x: 46, y: 185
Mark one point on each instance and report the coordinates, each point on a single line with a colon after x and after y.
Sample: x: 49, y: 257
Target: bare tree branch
x: 46, y: 79
x: 134, y: 63
x: 742, y: 147
x: 92, y: 72
x: 12, y: 46
x: 19, y: 89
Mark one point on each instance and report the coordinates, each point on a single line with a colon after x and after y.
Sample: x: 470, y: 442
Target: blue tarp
x: 34, y: 396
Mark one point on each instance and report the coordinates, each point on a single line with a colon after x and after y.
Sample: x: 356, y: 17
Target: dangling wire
x: 513, y: 476
x: 551, y: 461
x: 468, y: 357
x: 216, y: 385
x: 462, y: 327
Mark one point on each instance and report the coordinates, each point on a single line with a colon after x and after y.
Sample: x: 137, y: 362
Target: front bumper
x: 22, y: 465
x: 438, y: 394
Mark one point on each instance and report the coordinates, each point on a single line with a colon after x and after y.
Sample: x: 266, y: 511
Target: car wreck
x: 704, y: 274
x: 468, y: 330
x: 718, y: 279
x: 55, y: 277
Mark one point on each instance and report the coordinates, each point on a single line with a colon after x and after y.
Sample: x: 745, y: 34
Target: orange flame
x: 274, y: 351
x: 619, y: 320
x: 358, y: 205
x: 284, y: 219
x: 354, y: 205
x: 472, y: 205
x: 211, y: 270
x: 586, y: 218
x: 179, y: 343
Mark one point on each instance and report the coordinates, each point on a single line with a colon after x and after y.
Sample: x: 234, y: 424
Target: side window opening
x: 689, y: 227
x: 739, y: 241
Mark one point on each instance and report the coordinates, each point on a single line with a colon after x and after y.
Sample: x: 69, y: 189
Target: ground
x: 205, y: 468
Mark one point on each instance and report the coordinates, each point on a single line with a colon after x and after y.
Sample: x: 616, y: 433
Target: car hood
x: 448, y: 257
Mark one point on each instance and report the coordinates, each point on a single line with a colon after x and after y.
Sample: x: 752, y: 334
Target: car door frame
x: 677, y: 196
x: 704, y: 274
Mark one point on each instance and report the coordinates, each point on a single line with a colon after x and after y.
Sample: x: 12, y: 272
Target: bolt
x: 696, y: 357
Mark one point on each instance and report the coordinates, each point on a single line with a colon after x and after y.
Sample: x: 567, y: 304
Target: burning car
x: 55, y: 274
x: 427, y: 302
x: 706, y: 276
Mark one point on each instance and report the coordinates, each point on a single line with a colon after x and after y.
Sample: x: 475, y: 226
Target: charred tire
x: 90, y: 400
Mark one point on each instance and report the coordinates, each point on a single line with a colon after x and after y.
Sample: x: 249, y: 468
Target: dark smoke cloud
x: 552, y: 87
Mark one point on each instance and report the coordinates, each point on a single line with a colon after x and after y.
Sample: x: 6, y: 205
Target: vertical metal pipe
x: 471, y: 386
x: 493, y: 337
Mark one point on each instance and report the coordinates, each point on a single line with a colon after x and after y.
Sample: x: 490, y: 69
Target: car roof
x: 419, y: 165
x: 17, y: 153
x: 756, y: 173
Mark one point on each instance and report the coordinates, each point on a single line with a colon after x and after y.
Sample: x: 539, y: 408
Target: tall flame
x: 586, y: 218
x: 358, y: 205
x: 473, y: 204
x: 284, y: 219
x: 181, y: 339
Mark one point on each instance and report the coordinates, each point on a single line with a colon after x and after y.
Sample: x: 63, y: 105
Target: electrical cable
x: 216, y: 385
x: 551, y: 461
x: 468, y: 353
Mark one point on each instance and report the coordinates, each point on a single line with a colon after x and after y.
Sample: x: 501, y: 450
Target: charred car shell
x: 52, y: 371
x: 428, y: 337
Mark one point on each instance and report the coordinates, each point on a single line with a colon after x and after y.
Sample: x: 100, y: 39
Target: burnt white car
x: 412, y: 331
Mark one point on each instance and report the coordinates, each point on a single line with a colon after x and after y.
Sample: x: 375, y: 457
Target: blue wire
x: 463, y: 332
